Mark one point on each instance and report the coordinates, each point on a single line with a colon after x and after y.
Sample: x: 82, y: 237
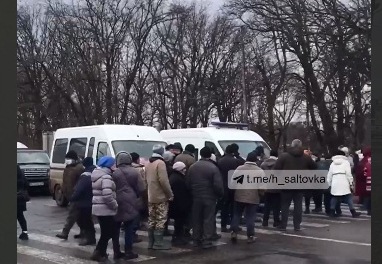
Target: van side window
x: 79, y: 146
x: 213, y: 147
x: 103, y: 150
x: 59, y: 150
x: 91, y: 147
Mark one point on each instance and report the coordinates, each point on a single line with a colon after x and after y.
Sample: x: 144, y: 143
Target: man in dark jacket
x: 72, y: 173
x: 82, y: 197
x: 227, y: 163
x: 236, y: 154
x: 272, y: 198
x: 206, y: 186
x: 294, y: 159
x: 187, y: 157
x: 22, y: 198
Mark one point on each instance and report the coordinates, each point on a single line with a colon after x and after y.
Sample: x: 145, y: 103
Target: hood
x: 99, y: 173
x: 123, y: 158
x: 154, y: 158
x: 269, y: 162
x: 339, y: 159
x: 135, y: 165
x: 296, y: 152
x: 90, y: 168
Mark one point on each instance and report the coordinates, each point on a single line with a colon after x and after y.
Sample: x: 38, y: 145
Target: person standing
x: 363, y: 179
x: 294, y: 159
x: 340, y: 180
x: 206, y: 185
x: 129, y: 188
x: 236, y: 154
x: 226, y: 164
x: 159, y: 194
x: 260, y: 155
x: 272, y: 200
x: 22, y: 199
x: 105, y: 207
x: 82, y: 197
x: 181, y: 205
x: 72, y: 173
x: 246, y: 200
x: 187, y: 156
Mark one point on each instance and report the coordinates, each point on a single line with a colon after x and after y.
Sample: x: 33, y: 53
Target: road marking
x: 341, y: 217
x: 50, y: 256
x: 329, y: 240
x: 73, y: 245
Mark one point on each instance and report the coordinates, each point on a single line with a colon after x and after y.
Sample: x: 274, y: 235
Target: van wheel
x: 59, y: 197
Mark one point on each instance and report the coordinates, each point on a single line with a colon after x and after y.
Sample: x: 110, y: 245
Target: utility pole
x: 245, y: 104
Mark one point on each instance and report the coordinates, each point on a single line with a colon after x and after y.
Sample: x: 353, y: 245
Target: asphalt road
x: 321, y: 240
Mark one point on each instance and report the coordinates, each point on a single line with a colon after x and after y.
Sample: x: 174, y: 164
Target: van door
x: 213, y: 147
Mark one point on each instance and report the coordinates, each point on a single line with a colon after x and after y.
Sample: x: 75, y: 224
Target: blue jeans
x: 130, y: 229
x: 348, y: 198
x: 250, y: 217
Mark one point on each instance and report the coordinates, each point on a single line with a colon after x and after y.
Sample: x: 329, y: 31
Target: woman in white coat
x: 340, y: 180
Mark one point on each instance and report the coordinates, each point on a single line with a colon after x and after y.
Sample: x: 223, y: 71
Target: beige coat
x: 158, y: 185
x: 251, y: 196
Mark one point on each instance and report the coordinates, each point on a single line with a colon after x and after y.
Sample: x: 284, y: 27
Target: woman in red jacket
x: 363, y: 179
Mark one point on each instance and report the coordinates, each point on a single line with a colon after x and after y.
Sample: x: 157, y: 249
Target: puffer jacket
x: 158, y: 185
x: 104, y: 196
x: 129, y: 187
x: 340, y: 177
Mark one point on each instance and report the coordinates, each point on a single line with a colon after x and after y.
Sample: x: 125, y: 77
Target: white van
x: 217, y: 136
x: 96, y: 142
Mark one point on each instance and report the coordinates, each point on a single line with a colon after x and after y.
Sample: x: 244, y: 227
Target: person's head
x: 106, y: 162
x: 169, y: 147
x: 158, y: 149
x: 274, y: 153
x: 135, y: 157
x: 205, y: 153
x: 345, y: 150
x: 168, y: 156
x: 190, y: 148
x: 180, y: 167
x: 178, y: 148
x: 260, y: 151
x: 71, y: 157
x: 123, y: 158
x: 252, y: 156
x: 366, y: 151
x: 296, y: 143
x: 88, y: 162
x: 229, y: 149
x: 235, y: 148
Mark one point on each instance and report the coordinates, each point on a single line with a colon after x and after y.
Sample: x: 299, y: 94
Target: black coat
x: 22, y: 186
x: 181, y: 205
x: 227, y: 163
x: 83, y: 191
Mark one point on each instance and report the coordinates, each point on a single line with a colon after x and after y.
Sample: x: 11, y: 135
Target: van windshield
x: 245, y: 147
x: 32, y: 158
x: 143, y: 148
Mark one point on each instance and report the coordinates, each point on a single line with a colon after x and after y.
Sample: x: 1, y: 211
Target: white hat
x: 179, y: 166
x: 345, y: 149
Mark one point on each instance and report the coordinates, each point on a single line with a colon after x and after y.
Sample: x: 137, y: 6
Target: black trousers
x: 179, y: 225
x: 203, y: 212
x: 109, y: 230
x: 22, y: 221
x: 272, y: 202
x: 227, y: 208
x: 85, y: 222
x: 317, y: 198
x: 286, y: 198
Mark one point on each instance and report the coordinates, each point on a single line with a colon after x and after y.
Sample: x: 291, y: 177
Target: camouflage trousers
x: 158, y: 215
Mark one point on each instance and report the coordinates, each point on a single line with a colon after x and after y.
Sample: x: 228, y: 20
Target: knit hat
x: 345, y: 150
x: 168, y: 156
x: 106, y: 162
x: 205, y: 152
x: 87, y: 162
x: 123, y: 158
x: 252, y: 156
x: 190, y: 148
x: 158, y: 149
x: 71, y: 155
x: 134, y: 156
x: 179, y: 166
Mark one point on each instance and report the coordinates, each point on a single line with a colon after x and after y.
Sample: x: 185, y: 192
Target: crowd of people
x: 174, y: 185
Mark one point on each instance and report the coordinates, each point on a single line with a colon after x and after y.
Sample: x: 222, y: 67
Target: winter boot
x: 159, y: 244
x: 151, y: 238
x: 97, y: 256
x: 24, y: 236
x: 63, y: 236
x: 354, y: 213
x: 332, y: 213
